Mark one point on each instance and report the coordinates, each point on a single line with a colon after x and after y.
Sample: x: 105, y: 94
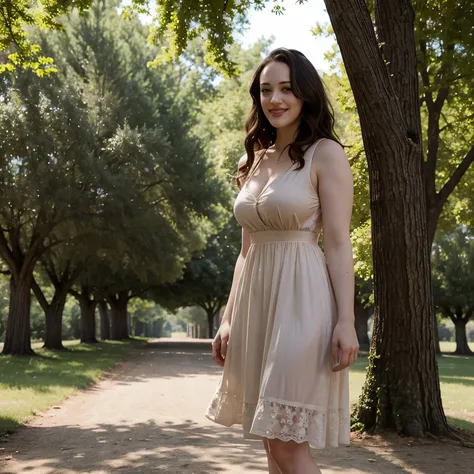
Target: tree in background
x: 144, y: 191
x: 453, y: 281
x: 46, y: 177
x: 146, y: 315
x: 208, y: 277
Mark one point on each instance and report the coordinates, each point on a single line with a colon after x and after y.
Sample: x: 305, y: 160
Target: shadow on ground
x: 190, y: 445
x: 189, y: 448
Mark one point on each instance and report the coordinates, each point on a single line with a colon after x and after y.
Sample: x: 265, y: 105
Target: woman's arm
x: 219, y: 344
x: 227, y: 316
x: 336, y: 189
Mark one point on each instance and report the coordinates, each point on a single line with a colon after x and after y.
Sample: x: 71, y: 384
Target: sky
x: 293, y: 29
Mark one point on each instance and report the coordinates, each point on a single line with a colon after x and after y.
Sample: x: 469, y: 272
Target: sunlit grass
x: 29, y: 385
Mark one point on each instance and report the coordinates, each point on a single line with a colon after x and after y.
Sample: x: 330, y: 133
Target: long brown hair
x: 317, y: 116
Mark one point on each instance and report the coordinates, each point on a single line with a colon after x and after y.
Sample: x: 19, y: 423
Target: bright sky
x: 293, y: 29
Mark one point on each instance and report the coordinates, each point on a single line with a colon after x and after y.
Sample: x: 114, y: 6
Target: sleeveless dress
x: 277, y: 379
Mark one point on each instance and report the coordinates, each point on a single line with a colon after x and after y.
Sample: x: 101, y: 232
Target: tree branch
x: 453, y: 181
x: 425, y: 78
x: 434, y: 114
x: 39, y: 295
x: 74, y: 293
x: 8, y: 255
x: 450, y: 124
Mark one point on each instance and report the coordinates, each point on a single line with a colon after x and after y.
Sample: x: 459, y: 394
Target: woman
x: 287, y: 335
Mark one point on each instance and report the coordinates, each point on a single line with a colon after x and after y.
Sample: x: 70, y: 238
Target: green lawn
x: 31, y: 384
x: 457, y: 384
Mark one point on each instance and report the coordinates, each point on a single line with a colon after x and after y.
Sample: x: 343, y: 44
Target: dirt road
x: 148, y: 417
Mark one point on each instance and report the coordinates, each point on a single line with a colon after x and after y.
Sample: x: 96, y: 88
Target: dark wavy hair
x: 317, y: 116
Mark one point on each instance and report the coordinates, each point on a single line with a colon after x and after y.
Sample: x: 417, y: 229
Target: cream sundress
x: 277, y: 379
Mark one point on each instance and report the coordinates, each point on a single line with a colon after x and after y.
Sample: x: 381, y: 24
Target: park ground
x: 147, y: 415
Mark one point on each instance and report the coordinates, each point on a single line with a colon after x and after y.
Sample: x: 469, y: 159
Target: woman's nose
x: 276, y: 98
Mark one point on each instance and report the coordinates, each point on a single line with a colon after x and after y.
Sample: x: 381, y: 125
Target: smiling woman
x: 286, y: 86
x: 287, y: 336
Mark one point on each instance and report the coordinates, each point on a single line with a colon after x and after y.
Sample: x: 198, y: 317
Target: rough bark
x: 402, y: 389
x: 460, y: 321
x: 462, y: 346
x: 54, y: 322
x: 18, y: 335
x: 212, y: 308
x: 210, y: 322
x: 104, y: 320
x: 119, y: 321
x: 87, y: 304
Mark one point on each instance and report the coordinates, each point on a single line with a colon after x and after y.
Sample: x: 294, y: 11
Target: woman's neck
x: 286, y: 136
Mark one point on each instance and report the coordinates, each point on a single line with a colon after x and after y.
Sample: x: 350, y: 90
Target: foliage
x: 208, y: 276
x: 222, y: 116
x: 453, y: 274
x: 99, y: 169
x: 16, y: 18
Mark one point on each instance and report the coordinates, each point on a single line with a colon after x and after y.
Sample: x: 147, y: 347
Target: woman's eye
x: 287, y: 89
x: 265, y: 90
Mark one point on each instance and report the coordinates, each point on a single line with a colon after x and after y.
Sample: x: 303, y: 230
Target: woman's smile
x: 277, y: 112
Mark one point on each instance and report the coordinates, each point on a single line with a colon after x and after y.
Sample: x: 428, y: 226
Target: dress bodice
x: 287, y: 202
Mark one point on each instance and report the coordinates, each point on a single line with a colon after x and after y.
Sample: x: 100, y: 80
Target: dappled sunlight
x: 149, y: 417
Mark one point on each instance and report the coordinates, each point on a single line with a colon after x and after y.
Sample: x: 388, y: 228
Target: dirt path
x: 148, y: 417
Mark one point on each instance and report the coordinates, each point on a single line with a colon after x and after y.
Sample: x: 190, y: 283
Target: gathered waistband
x: 265, y: 236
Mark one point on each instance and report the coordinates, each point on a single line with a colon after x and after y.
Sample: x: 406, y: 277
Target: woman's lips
x: 277, y: 112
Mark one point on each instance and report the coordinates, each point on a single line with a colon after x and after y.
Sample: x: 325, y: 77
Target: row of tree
x: 99, y: 92
x: 105, y: 191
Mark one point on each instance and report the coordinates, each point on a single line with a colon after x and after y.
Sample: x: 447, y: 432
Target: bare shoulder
x: 329, y: 153
x: 330, y: 163
x: 242, y: 161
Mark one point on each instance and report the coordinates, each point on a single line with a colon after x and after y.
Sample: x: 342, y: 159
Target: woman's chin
x: 280, y: 123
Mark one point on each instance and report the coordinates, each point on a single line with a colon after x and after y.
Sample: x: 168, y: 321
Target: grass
x: 456, y: 375
x: 29, y: 385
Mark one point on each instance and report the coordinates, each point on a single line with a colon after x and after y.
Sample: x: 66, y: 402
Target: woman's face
x: 279, y: 104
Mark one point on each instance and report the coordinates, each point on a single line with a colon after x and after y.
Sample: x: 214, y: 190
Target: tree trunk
x: 88, y: 306
x: 18, y: 337
x: 402, y: 389
x: 139, y: 328
x: 462, y: 346
x: 53, y: 338
x: 104, y: 320
x: 211, y: 315
x: 362, y: 316
x: 119, y: 320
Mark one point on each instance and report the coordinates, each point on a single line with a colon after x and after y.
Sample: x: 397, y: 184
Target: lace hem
x: 282, y: 420
x: 297, y: 423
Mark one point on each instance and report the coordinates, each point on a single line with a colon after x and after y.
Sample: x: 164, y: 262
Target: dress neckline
x: 268, y: 183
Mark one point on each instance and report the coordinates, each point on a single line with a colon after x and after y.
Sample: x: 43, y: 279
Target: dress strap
x: 309, y: 153
x: 254, y: 168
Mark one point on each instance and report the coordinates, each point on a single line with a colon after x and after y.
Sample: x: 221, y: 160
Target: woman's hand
x: 345, y: 346
x: 220, y: 342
